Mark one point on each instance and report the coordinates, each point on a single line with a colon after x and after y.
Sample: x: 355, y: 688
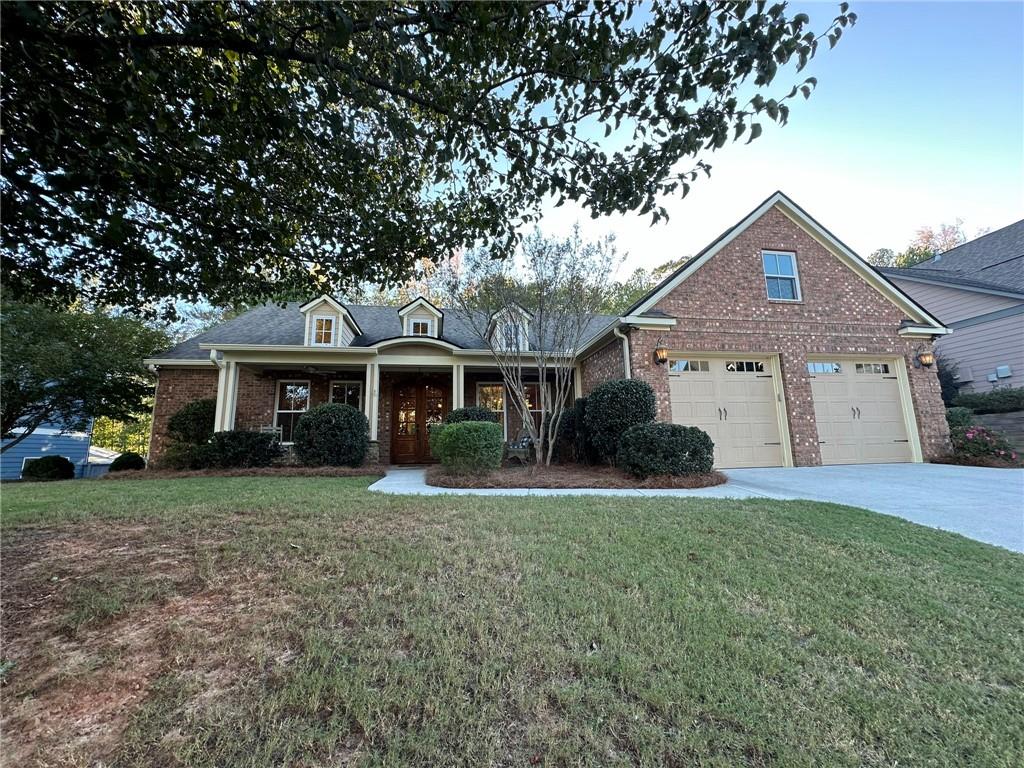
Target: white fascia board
x: 419, y: 301
x: 924, y: 330
x: 290, y: 348
x: 173, y: 361
x: 636, y: 321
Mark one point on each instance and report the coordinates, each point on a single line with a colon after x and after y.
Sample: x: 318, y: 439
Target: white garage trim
x: 778, y: 387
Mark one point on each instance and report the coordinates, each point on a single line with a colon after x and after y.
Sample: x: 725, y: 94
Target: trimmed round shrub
x: 980, y: 443
x: 129, y: 460
x: 193, y: 423
x: 614, y: 407
x: 657, y: 448
x: 49, y: 468
x: 468, y: 447
x: 239, y: 448
x: 470, y: 413
x: 959, y: 417
x: 332, y: 434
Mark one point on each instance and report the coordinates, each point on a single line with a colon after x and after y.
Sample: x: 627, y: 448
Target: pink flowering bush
x: 979, y: 443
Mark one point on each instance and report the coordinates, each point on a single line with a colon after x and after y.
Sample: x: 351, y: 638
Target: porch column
x: 372, y: 396
x: 458, y: 386
x: 227, y: 397
x: 577, y: 381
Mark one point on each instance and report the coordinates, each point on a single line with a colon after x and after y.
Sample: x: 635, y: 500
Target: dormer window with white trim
x: 323, y: 331
x: 421, y: 318
x: 511, y: 330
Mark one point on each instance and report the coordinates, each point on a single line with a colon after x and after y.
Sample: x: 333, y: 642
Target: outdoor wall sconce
x: 660, y: 353
x: 924, y: 357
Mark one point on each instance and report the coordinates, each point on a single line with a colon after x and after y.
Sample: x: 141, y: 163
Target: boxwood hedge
x: 614, y: 407
x: 332, y: 434
x: 665, y: 449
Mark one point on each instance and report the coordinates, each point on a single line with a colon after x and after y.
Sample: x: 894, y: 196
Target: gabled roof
x: 419, y: 301
x: 276, y: 325
x: 866, y: 271
x: 338, y: 307
x: 996, y: 259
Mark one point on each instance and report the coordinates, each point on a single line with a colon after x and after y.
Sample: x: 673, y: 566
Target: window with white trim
x: 292, y: 402
x: 347, y: 393
x: 872, y: 367
x: 744, y: 366
x: 419, y: 327
x: 323, y: 330
x: 492, y: 397
x: 689, y: 366
x: 780, y: 275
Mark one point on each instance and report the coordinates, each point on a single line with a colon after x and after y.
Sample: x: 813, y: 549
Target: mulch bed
x: 167, y: 474
x: 567, y: 476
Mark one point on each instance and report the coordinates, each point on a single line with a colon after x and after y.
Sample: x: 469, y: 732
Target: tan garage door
x: 858, y: 410
x: 733, y: 400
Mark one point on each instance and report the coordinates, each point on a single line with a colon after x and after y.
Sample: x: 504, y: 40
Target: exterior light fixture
x: 660, y: 353
x: 924, y: 357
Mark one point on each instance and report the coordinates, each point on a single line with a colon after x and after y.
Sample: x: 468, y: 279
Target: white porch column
x: 577, y: 380
x: 458, y: 386
x: 227, y: 397
x: 372, y: 396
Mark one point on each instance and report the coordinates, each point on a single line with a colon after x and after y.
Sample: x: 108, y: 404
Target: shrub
x: 981, y: 443
x: 129, y: 460
x: 187, y: 456
x: 469, y: 447
x: 657, y: 448
x: 332, y: 434
x: 193, y: 424
x: 947, y: 371
x: 238, y: 448
x: 996, y: 401
x: 959, y: 417
x: 614, y: 407
x: 49, y: 468
x: 471, y: 413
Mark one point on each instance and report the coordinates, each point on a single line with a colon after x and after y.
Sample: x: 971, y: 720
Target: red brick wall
x: 723, y: 307
x: 604, y: 365
x: 175, y: 388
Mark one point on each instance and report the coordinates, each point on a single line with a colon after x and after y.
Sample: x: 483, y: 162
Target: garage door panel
x: 859, y: 413
x: 737, y: 409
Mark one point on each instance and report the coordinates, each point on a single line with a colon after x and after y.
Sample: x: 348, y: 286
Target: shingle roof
x: 996, y: 259
x: 946, y: 277
x: 274, y: 325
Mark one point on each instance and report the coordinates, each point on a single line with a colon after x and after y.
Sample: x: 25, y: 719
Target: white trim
x: 322, y: 298
x: 795, y: 277
x: 277, y: 400
x: 417, y: 303
x: 334, y: 331
x: 287, y: 348
x: 428, y: 340
x: 411, y: 321
x: 638, y: 321
x: 504, y: 403
x: 170, y: 361
x: 51, y: 431
x: 926, y: 331
x: 792, y: 211
x: 346, y: 316
x: 330, y: 390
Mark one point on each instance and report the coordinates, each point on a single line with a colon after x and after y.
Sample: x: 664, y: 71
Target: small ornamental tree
x: 614, y: 407
x: 332, y: 434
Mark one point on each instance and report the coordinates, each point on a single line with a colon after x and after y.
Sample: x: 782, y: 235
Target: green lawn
x: 307, y: 622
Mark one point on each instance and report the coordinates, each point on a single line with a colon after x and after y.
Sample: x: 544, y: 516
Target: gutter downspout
x: 218, y: 415
x: 625, y: 351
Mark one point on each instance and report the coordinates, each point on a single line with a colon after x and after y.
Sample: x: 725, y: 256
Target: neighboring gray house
x: 977, y: 290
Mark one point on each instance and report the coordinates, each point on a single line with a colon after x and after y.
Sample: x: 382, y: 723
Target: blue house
x: 45, y: 441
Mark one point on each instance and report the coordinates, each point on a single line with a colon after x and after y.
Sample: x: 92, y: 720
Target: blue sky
x: 918, y: 119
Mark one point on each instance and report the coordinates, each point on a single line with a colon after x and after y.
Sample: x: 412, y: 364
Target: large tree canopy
x: 217, y: 150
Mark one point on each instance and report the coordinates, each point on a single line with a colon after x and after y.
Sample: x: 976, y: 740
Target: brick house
x: 777, y: 339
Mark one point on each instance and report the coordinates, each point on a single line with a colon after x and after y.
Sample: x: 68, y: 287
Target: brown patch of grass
x: 93, y: 616
x: 977, y: 461
x: 567, y: 476
x: 367, y: 470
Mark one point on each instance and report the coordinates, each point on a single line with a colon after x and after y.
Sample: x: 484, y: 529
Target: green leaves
x: 244, y: 145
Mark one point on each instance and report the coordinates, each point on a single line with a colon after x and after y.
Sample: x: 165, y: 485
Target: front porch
x: 401, y: 398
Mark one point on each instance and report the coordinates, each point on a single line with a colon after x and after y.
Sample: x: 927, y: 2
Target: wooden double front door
x: 415, y: 406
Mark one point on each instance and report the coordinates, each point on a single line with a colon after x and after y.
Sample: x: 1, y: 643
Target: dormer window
x: 420, y: 328
x: 510, y: 330
x: 323, y: 331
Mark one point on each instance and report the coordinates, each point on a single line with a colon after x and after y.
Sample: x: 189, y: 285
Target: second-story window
x: 780, y: 276
x: 419, y: 327
x: 323, y: 331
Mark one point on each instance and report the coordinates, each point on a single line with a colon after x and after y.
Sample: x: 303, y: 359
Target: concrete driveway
x: 983, y: 504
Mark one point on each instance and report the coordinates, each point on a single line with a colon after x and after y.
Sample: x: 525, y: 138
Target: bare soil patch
x: 366, y: 470
x: 92, y: 617
x: 567, y: 476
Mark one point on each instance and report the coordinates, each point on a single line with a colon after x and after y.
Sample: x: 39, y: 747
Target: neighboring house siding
x: 175, y: 388
x: 952, y: 304
x: 723, y: 307
x: 45, y: 441
x: 976, y: 348
x: 982, y: 348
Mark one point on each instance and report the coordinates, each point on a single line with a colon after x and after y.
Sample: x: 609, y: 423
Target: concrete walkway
x: 983, y: 504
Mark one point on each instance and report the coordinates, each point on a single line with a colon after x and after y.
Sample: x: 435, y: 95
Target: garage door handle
x: 858, y: 413
x: 773, y: 443
x: 719, y: 414
x: 853, y: 412
x: 901, y: 441
x: 726, y: 412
